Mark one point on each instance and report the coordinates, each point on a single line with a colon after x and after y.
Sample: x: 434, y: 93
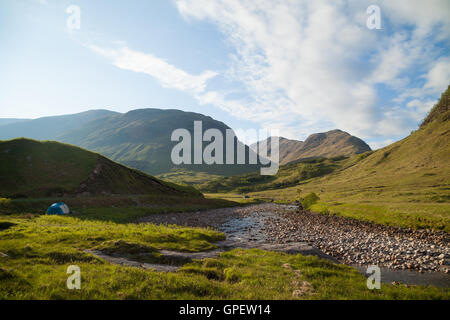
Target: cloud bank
x: 318, y: 65
x: 309, y: 66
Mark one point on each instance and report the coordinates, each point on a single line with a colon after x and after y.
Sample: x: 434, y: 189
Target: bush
x: 309, y: 200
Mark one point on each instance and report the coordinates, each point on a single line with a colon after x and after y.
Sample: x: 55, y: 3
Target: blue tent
x: 58, y: 208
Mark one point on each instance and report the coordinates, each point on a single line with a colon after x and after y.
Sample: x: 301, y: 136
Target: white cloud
x: 314, y: 65
x: 380, y: 144
x: 438, y: 77
x: 168, y: 75
x: 423, y: 15
x: 421, y: 106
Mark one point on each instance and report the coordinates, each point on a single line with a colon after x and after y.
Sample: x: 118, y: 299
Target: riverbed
x: 403, y: 255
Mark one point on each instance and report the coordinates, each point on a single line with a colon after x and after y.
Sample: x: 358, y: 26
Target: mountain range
x: 141, y: 139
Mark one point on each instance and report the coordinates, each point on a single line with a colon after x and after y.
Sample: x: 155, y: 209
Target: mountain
x: 50, y: 128
x: 5, y: 121
x: 30, y: 168
x: 328, y: 144
x: 139, y: 139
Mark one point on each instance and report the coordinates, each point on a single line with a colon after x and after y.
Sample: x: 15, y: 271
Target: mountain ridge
x: 140, y: 138
x: 328, y: 144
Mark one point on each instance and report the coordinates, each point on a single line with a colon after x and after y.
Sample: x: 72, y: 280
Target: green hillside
x: 288, y: 176
x: 30, y: 168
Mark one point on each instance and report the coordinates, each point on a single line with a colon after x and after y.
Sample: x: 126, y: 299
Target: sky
x: 297, y: 66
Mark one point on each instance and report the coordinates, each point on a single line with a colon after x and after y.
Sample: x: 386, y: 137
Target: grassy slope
x: 404, y: 184
x: 288, y: 175
x: 31, y: 167
x: 187, y: 177
x: 39, y: 169
x: 40, y: 249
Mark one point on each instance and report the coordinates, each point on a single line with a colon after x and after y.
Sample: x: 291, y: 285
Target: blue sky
x: 297, y: 66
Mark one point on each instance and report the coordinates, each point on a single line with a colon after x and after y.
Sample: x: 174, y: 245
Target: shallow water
x: 249, y: 231
x: 437, y: 279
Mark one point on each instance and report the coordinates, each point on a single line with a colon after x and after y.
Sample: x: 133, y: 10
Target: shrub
x: 309, y: 200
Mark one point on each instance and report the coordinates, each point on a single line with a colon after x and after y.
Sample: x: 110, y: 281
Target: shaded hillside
x: 50, y: 128
x: 139, y: 139
x: 30, y: 168
x: 328, y: 144
x: 6, y: 121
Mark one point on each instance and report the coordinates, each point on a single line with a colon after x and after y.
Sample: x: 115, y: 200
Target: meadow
x: 37, y: 250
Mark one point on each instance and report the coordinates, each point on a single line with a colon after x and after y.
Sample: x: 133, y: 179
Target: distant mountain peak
x: 328, y: 144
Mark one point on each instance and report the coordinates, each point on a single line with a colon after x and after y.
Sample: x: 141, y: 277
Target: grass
x: 184, y: 176
x: 120, y: 209
x: 288, y: 175
x: 40, y: 249
x: 233, y: 197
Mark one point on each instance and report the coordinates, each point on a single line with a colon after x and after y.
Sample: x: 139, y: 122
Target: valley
x: 308, y: 232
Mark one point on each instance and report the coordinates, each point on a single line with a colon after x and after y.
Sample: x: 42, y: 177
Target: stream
x: 249, y: 232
